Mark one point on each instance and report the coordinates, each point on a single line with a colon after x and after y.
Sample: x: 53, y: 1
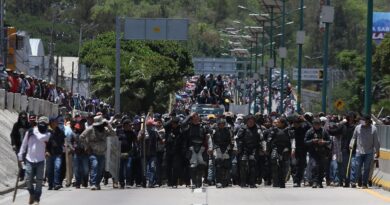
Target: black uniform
x: 222, y: 143
x: 248, y: 144
x: 318, y: 153
x: 280, y: 147
x: 196, y: 146
x: 174, y: 155
x: 298, y: 167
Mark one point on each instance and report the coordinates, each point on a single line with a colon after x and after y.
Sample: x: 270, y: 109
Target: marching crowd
x: 189, y: 150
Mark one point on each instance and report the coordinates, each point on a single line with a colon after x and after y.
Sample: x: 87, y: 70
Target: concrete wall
x: 16, y: 102
x: 10, y: 105
x: 8, y: 165
x: 382, y: 178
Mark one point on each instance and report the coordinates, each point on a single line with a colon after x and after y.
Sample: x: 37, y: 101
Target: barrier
x: 2, y: 99
x: 30, y: 106
x: 23, y: 103
x: 17, y: 97
x: 36, y: 105
x: 10, y: 101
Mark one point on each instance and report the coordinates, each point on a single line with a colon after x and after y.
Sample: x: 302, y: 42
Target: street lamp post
x: 325, y: 61
x: 368, y: 80
x: 271, y: 56
x: 300, y: 44
x: 282, y: 57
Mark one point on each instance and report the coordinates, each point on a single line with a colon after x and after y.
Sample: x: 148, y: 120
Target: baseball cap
x: 43, y: 119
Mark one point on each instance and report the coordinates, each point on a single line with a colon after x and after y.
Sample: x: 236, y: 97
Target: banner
x: 380, y: 26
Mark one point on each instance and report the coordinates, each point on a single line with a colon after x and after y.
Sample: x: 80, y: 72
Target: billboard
x: 380, y: 26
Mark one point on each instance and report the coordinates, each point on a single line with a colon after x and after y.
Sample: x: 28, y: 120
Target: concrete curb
x: 382, y: 180
x: 11, y: 189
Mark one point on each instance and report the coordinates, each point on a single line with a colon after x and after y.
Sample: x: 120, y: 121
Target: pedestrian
x: 249, y: 143
x: 17, y: 135
x: 196, y: 137
x: 281, y: 146
x: 54, y: 152
x: 148, y: 140
x: 160, y: 155
x: 174, y: 153
x: 127, y: 138
x: 365, y: 137
x: 80, y: 157
x: 299, y: 127
x: 34, y: 146
x: 221, y: 141
x: 94, y: 140
x: 318, y: 141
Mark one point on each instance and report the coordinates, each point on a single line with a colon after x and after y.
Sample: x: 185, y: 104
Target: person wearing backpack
x: 34, y: 146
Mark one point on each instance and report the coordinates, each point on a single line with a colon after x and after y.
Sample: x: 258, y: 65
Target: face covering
x: 362, y: 122
x: 42, y: 128
x: 23, y: 122
x: 100, y: 128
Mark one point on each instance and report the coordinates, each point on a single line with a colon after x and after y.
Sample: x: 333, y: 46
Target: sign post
x: 146, y: 29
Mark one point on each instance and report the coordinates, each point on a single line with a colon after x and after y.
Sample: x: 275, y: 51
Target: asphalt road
x: 212, y: 196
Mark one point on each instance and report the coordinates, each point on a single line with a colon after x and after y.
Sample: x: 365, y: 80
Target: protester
x: 94, y: 140
x: 365, y: 138
x: 34, y: 146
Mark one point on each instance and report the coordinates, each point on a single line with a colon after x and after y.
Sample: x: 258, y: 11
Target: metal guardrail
x: 384, y: 136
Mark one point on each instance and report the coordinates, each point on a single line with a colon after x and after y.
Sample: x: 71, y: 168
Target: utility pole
x: 282, y: 56
x: 51, y: 58
x: 71, y: 82
x: 300, y: 44
x: 255, y: 110
x: 262, y: 71
x: 368, y: 80
x: 2, y: 40
x: 271, y: 57
x: 117, y: 64
x: 78, y: 58
x: 325, y: 61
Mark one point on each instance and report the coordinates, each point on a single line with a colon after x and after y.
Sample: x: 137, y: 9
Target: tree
x: 150, y: 71
x: 381, y: 58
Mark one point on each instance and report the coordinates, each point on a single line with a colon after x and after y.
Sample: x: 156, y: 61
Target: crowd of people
x: 185, y: 149
x: 15, y: 82
x: 220, y: 150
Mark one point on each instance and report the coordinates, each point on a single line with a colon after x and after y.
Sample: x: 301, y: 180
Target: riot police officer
x: 196, y: 138
x: 222, y: 142
x: 249, y: 139
x: 318, y: 141
x: 174, y: 153
x: 281, y: 145
x: 299, y: 128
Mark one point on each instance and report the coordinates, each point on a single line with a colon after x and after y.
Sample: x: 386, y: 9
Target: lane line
x: 377, y: 195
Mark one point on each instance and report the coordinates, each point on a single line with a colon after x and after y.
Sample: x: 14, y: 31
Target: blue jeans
x: 53, y: 164
x: 34, y: 170
x: 335, y: 171
x: 125, y: 170
x: 97, y: 167
x: 362, y: 161
x: 151, y: 170
x: 80, y: 168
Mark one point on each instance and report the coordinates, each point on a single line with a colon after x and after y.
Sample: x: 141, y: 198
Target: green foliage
x: 150, y: 71
x: 349, y: 60
x: 381, y: 58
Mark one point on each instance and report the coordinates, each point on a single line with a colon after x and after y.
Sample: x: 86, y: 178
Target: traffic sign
x: 308, y: 74
x: 339, y: 104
